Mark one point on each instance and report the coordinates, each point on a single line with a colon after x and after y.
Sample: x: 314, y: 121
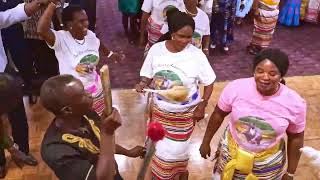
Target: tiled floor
x: 301, y: 43
x: 132, y: 133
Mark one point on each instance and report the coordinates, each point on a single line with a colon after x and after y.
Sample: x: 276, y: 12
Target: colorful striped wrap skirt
x: 172, y: 153
x: 269, y: 164
x: 264, y: 24
x: 154, y: 33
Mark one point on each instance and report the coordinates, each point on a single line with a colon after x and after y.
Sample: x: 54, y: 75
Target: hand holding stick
x: 155, y: 133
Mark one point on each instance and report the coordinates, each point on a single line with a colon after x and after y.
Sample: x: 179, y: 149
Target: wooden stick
x: 106, y: 85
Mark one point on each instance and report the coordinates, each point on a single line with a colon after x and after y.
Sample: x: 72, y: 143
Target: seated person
x: 78, y: 144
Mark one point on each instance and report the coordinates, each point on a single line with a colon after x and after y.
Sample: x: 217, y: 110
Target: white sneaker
x: 226, y: 48
x: 213, y: 46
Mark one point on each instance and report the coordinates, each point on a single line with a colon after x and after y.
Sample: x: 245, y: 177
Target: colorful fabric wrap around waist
x: 243, y: 161
x: 270, y: 2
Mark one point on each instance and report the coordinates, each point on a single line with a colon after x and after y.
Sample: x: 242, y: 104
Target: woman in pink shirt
x: 262, y: 111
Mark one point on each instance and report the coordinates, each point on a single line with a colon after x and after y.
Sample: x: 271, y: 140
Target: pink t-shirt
x: 259, y: 122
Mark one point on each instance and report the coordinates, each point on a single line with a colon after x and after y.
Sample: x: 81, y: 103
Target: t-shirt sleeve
x: 206, y: 75
x: 146, y: 69
x: 67, y: 163
x: 299, y: 123
x: 227, y: 97
x: 57, y: 42
x: 147, y: 6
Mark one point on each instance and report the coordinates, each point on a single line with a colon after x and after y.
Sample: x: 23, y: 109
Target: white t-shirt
x: 206, y: 6
x: 186, y: 68
x: 158, y: 8
x: 78, y: 58
x: 202, y: 28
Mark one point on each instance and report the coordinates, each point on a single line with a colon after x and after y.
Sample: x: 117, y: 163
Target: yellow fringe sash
x: 243, y: 160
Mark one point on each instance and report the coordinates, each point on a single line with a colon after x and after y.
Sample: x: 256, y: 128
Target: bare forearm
x: 214, y: 124
x: 106, y: 163
x: 45, y: 20
x: 295, y: 142
x: 205, y: 42
x: 207, y: 91
x: 121, y: 150
x: 104, y: 49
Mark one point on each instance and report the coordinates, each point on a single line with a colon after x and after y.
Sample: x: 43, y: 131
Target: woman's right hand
x: 205, y: 150
x: 140, y: 87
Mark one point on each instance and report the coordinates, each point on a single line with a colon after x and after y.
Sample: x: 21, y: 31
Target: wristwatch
x: 289, y: 174
x: 204, y: 101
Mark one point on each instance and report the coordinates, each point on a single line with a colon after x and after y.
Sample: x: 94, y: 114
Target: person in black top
x: 77, y: 144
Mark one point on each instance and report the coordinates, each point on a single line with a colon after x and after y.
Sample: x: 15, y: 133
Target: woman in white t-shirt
x: 201, y: 35
x: 154, y: 17
x: 76, y: 48
x: 176, y: 68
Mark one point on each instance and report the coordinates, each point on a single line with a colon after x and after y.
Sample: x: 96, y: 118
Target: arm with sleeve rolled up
x: 20, y: 13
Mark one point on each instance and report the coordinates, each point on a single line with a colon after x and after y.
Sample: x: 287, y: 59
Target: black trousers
x: 19, y: 125
x: 14, y: 42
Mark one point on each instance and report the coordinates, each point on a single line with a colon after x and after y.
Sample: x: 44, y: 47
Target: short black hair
x: 68, y: 12
x: 278, y: 57
x: 51, y: 91
x: 9, y: 89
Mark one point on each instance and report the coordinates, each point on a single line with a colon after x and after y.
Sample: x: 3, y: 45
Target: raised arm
x: 44, y: 23
x: 20, y: 13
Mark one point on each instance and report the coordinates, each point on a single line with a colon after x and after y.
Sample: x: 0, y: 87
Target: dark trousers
x: 46, y: 63
x: 19, y: 125
x: 16, y: 45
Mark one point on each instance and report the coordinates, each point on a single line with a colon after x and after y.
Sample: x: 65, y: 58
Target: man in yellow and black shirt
x: 78, y: 143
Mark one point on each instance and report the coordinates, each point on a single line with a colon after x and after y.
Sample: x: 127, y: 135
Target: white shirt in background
x: 202, y: 28
x: 158, y: 8
x: 8, y: 18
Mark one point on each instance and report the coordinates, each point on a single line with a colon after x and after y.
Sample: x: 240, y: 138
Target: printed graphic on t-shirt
x: 171, y: 86
x: 87, y: 65
x: 255, y: 132
x: 197, y: 39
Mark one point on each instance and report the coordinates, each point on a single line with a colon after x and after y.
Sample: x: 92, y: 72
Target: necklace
x: 81, y: 42
x: 190, y: 13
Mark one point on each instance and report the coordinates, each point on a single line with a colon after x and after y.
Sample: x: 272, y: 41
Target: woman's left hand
x: 286, y: 177
x: 199, y: 112
x: 117, y: 57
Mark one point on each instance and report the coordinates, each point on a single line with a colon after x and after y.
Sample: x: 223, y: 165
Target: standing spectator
x: 265, y: 21
x: 154, y: 16
x: 44, y: 59
x: 130, y: 10
x: 222, y: 21
x: 19, y: 52
x: 20, y: 130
